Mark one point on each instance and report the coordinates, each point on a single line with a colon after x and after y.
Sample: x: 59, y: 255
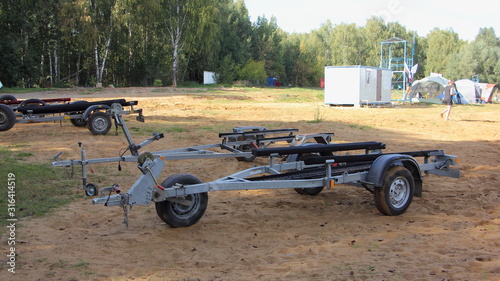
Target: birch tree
x: 101, y: 16
x: 184, y: 21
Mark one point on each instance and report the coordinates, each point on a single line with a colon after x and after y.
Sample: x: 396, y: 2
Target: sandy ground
x: 451, y: 233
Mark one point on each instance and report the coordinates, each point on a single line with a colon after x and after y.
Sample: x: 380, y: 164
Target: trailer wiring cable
x: 121, y: 155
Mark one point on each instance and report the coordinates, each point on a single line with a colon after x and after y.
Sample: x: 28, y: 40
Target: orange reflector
x: 332, y: 184
x: 456, y: 160
x: 162, y: 158
x: 67, y: 117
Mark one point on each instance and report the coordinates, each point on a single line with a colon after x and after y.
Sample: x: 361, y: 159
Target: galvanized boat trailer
x: 237, y: 144
x: 181, y: 199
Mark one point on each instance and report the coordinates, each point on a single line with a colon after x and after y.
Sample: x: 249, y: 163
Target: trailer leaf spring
x: 314, y: 172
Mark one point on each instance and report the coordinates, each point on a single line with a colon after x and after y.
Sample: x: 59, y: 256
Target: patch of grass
x: 39, y: 188
x: 319, y: 116
x: 90, y: 91
x: 81, y: 264
x: 298, y: 95
x: 176, y: 129
x: 23, y: 154
x: 17, y: 90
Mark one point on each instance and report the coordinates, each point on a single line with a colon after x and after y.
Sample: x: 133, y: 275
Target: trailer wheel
x: 177, y: 214
x: 91, y: 189
x: 245, y: 148
x: 396, y: 194
x: 78, y: 122
x: 7, y: 118
x: 312, y: 191
x: 99, y: 123
x: 7, y: 98
x: 32, y: 102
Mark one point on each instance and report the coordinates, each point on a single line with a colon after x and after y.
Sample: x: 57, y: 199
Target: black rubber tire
x: 78, y: 122
x: 7, y: 98
x: 177, y: 215
x: 91, y: 189
x: 99, y: 123
x: 32, y: 102
x: 396, y: 194
x: 246, y: 148
x: 300, y: 157
x: 7, y: 117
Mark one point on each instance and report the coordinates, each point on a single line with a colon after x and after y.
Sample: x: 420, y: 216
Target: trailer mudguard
x: 93, y: 108
x: 384, y: 162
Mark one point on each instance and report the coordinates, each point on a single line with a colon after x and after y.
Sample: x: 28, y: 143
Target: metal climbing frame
x: 394, y: 56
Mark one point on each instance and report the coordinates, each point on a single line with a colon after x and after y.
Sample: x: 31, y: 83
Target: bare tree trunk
x: 77, y: 78
x: 51, y: 74
x: 98, y: 74
x: 57, y: 77
x: 175, y: 65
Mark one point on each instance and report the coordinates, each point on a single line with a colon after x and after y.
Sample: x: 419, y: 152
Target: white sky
x: 419, y: 15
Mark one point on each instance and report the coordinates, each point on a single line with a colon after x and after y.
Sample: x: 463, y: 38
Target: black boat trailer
x: 308, y: 168
x: 96, y: 116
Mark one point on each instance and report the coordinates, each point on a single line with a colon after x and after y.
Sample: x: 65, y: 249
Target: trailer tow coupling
x: 141, y: 193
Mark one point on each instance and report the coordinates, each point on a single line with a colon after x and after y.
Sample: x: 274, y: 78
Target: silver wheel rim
x: 99, y: 124
x: 185, y: 212
x: 399, y: 192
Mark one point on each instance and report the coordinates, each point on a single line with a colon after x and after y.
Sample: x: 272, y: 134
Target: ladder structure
x: 393, y: 56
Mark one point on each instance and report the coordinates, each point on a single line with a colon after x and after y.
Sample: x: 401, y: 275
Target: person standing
x: 449, y: 92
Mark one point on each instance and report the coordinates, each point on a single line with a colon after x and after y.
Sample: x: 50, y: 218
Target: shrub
x: 254, y: 72
x: 157, y: 83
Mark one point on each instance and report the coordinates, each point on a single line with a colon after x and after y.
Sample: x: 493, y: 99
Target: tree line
x: 60, y: 43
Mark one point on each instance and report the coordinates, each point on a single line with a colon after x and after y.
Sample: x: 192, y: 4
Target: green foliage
x: 441, y: 45
x: 228, y: 70
x: 158, y: 83
x: 132, y: 43
x: 480, y: 57
x: 254, y: 72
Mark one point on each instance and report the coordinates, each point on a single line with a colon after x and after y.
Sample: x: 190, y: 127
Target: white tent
x: 428, y: 89
x: 468, y: 91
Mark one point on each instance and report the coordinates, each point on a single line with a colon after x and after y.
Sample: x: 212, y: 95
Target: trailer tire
x: 91, y: 189
x: 176, y: 214
x: 7, y: 117
x: 312, y: 191
x: 99, y: 123
x: 245, y: 148
x: 396, y: 194
x: 78, y: 122
x: 32, y: 102
x: 7, y: 98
